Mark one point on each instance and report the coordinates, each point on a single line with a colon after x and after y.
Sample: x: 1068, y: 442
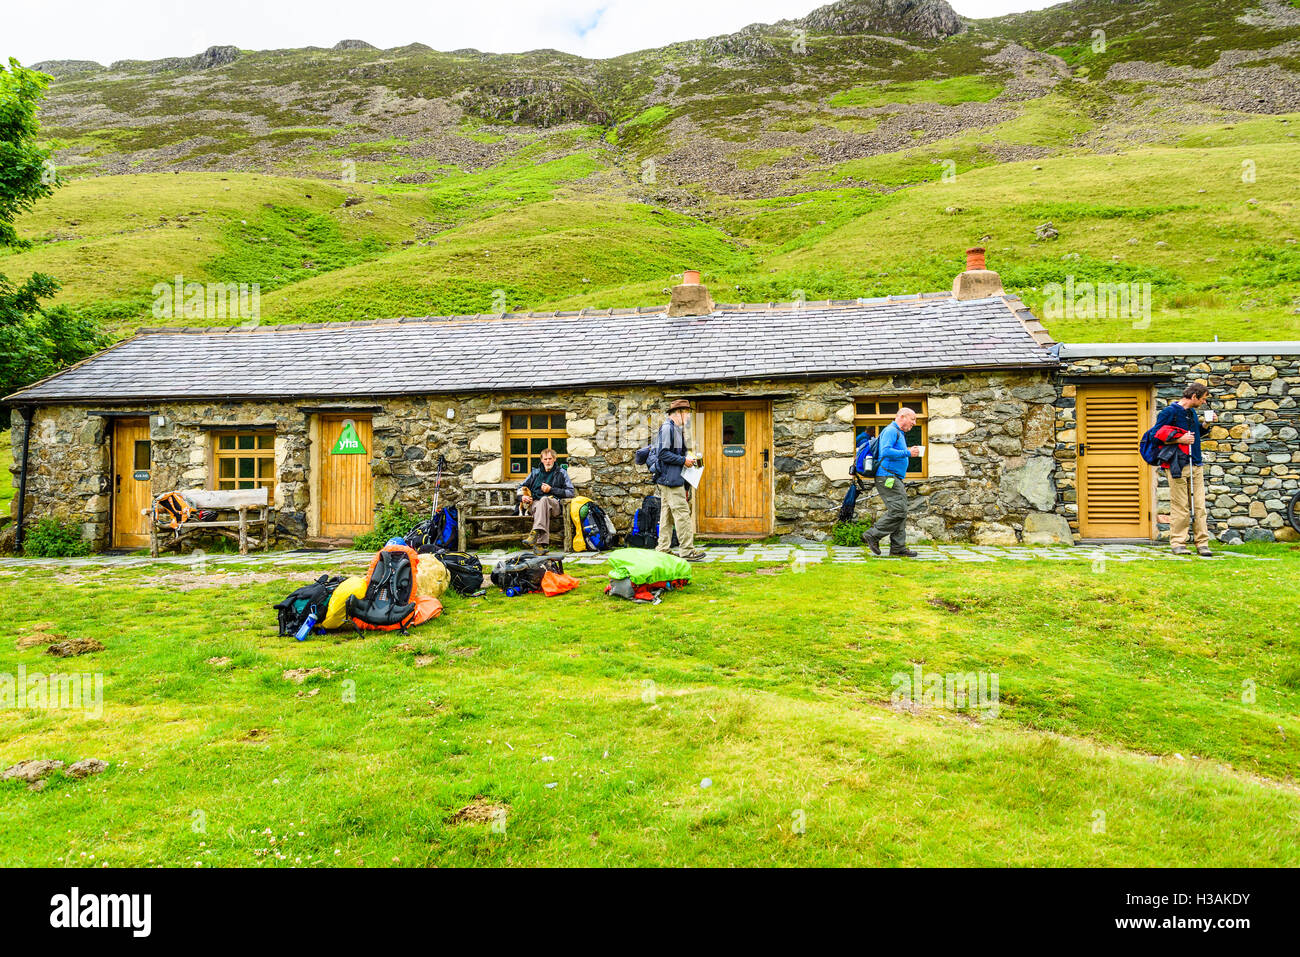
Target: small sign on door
x: 349, y: 442
x: 140, y: 475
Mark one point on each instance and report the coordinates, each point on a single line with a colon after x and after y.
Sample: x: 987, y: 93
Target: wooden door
x: 735, y: 493
x: 132, y: 487
x: 1115, y: 487
x: 347, y: 503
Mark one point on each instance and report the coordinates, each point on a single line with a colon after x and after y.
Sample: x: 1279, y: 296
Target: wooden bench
x: 498, y: 504
x: 237, y: 528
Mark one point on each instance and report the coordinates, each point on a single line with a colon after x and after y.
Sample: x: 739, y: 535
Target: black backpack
x: 309, y: 599
x: 645, y: 525
x: 466, y: 570
x: 524, y: 570
x: 390, y: 597
x: 440, y: 531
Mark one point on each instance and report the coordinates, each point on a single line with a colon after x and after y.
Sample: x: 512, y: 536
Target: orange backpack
x: 390, y: 601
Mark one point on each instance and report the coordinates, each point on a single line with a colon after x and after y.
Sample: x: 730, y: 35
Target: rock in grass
x: 73, y: 646
x: 86, y: 767
x: 30, y: 771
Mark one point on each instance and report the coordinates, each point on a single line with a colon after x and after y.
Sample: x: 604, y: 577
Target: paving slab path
x: 790, y: 554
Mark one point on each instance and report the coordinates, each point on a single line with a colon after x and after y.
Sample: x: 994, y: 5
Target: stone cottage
x: 781, y: 391
x: 338, y: 420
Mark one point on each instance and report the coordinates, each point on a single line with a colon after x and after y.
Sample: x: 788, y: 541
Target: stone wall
x: 990, y: 451
x: 1252, y: 458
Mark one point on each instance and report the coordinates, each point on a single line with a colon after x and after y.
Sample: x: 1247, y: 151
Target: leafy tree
x: 34, y: 342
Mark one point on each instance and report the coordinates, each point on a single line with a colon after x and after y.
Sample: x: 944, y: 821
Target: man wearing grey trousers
x: 890, y: 471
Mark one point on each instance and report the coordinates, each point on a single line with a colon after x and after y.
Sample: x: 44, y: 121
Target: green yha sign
x: 349, y: 443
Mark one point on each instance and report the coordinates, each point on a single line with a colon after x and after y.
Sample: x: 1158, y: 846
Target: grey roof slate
x: 586, y: 348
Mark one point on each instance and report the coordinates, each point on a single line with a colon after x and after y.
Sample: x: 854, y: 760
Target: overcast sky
x: 105, y: 30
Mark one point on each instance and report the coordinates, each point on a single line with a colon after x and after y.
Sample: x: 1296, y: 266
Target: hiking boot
x: 1180, y: 550
x: 541, y: 548
x: 530, y: 540
x: 694, y: 555
x: 901, y: 553
x: 871, y: 543
x: 1204, y: 552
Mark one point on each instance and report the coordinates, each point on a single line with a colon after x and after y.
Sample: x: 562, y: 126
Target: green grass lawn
x: 1147, y: 716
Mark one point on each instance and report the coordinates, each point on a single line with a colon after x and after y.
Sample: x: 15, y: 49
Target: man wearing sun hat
x: 668, y: 456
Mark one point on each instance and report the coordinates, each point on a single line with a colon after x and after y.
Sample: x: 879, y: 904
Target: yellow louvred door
x: 1115, y: 485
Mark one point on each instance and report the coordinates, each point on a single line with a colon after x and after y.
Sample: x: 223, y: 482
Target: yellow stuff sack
x: 336, y: 612
x: 431, y: 577
x: 575, y: 516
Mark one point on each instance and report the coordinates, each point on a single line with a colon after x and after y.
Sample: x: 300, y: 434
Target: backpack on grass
x: 312, y: 599
x: 525, y: 571
x: 466, y: 570
x: 390, y: 599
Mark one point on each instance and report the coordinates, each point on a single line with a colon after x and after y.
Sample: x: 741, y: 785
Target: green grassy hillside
x: 367, y: 183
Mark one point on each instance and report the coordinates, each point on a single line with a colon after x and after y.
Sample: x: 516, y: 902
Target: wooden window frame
x: 529, y: 433
x: 917, y: 468
x: 258, y: 453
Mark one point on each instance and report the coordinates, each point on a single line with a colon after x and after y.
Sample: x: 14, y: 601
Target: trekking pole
x: 437, y: 484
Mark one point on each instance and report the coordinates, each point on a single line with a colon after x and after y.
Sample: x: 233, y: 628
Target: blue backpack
x: 1149, y: 447
x: 867, y: 458
x: 442, y: 531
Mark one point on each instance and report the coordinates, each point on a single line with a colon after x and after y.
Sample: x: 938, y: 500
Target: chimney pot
x: 976, y: 282
x: 690, y: 298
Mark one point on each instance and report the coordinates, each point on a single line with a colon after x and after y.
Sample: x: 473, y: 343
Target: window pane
x: 245, y: 440
x: 266, y: 468
x: 266, y: 440
x: 518, y: 466
x: 888, y: 408
x: 561, y: 447
x: 142, y: 455
x: 538, y: 421
x: 518, y: 421
x: 245, y: 468
x: 226, y: 442
x: 866, y: 408
x: 518, y: 446
x: 245, y: 484
x: 733, y: 428
x: 557, y: 420
x: 226, y: 468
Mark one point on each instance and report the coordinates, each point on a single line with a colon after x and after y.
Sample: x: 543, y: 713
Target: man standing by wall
x: 890, y: 471
x: 542, y: 495
x: 1187, y: 505
x: 667, y: 458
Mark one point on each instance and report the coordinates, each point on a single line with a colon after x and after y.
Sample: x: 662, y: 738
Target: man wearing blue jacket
x: 1187, y: 494
x: 891, y: 469
x: 667, y: 459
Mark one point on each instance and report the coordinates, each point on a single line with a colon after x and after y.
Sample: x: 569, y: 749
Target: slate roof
x: 560, y: 349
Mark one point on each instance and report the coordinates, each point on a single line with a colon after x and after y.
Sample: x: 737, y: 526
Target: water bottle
x: 305, y: 629
x: 514, y: 591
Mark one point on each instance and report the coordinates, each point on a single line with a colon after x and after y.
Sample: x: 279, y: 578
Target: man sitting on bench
x: 542, y: 495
